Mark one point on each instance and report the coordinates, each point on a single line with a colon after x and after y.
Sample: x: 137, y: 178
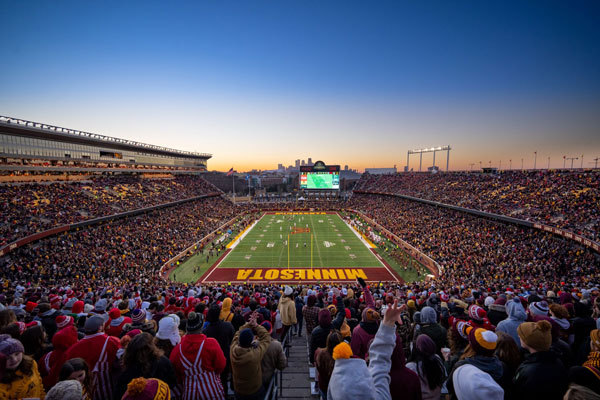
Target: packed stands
x: 566, y: 199
x: 513, y: 315
x: 33, y: 207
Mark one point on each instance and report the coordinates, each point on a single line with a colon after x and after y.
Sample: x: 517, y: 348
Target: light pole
x: 521, y: 164
x: 564, y: 162
x: 510, y: 164
x: 534, y: 160
x: 572, y: 159
x: 500, y: 167
x: 548, y: 163
x: 479, y: 164
x: 582, y: 161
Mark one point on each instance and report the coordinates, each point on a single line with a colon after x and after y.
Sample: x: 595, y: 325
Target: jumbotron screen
x: 320, y: 180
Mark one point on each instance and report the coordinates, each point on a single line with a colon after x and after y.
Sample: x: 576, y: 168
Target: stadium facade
x: 30, y: 143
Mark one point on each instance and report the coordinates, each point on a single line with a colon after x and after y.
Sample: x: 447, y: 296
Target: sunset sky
x: 257, y: 83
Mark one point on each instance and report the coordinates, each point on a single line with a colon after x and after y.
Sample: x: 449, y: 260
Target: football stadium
x: 155, y: 243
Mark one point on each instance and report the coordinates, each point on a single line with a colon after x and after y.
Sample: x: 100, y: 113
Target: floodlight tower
x: 429, y: 150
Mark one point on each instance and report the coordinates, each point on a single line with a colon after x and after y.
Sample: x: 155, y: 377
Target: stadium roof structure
x: 40, y: 130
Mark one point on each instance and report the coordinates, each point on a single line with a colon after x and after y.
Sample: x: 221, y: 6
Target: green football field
x: 300, y: 241
x: 295, y: 247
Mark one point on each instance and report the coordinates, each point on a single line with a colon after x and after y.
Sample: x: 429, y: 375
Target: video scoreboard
x: 320, y: 177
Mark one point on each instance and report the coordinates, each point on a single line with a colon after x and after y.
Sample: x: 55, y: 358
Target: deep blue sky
x: 361, y: 78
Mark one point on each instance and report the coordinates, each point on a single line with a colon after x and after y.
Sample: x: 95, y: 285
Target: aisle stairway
x: 297, y: 383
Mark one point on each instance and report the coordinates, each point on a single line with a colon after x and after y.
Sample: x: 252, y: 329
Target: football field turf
x: 299, y: 247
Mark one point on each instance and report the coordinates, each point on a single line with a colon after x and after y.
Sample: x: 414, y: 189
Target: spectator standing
x: 168, y: 336
x: 324, y: 362
x: 77, y: 368
x: 287, y: 310
x: 100, y: 353
x: 198, y: 360
x: 588, y: 374
x: 20, y: 378
x: 428, y: 366
x: 143, y: 359
x: 299, y: 305
x: 310, y: 312
x: 516, y: 316
x: 222, y: 331
x: 274, y: 358
x: 352, y: 379
x: 541, y: 374
x: 405, y: 383
x: 246, y: 360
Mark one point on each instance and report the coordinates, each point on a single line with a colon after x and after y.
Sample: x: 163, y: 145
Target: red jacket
x: 212, y: 355
x: 115, y: 330
x: 90, y: 346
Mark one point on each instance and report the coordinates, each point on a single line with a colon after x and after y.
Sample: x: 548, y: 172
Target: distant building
x: 297, y: 164
x: 345, y: 167
x: 303, y: 163
x: 381, y: 171
x: 310, y: 163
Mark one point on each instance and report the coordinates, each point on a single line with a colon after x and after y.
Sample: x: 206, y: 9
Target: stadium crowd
x: 478, y: 251
x: 29, y: 208
x: 566, y: 199
x: 417, y: 341
x: 513, y: 315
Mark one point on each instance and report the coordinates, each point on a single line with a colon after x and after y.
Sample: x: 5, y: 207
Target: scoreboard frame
x: 318, y: 166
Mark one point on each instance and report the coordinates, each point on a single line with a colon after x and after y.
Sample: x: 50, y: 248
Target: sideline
x: 372, y: 248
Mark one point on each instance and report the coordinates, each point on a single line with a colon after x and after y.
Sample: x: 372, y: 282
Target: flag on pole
x: 230, y: 172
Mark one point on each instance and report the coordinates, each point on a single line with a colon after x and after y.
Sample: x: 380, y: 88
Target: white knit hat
x: 471, y: 383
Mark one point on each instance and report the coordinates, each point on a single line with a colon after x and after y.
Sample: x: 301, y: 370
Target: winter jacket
x: 310, y: 315
x: 246, y: 362
x: 361, y: 338
x: 352, y: 379
x: 161, y: 369
x: 319, y: 335
x: 52, y: 362
x: 437, y: 333
x: 299, y: 304
x: 273, y: 359
x: 496, y: 313
x: 287, y: 308
x: 114, y: 327
x: 541, y: 376
x: 516, y: 316
x: 490, y: 365
x: 24, y: 386
x: 324, y: 363
x: 212, y: 355
x: 405, y: 384
x: 90, y: 346
x: 223, y: 333
x: 48, y: 320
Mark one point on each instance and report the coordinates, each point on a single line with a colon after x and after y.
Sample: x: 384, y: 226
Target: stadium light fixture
x: 428, y: 150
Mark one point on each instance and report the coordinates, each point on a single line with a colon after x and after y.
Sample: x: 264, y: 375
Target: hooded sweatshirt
x: 431, y: 328
x: 53, y: 361
x: 516, y: 316
x: 405, y: 383
x: 352, y: 379
x: 226, y: 314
